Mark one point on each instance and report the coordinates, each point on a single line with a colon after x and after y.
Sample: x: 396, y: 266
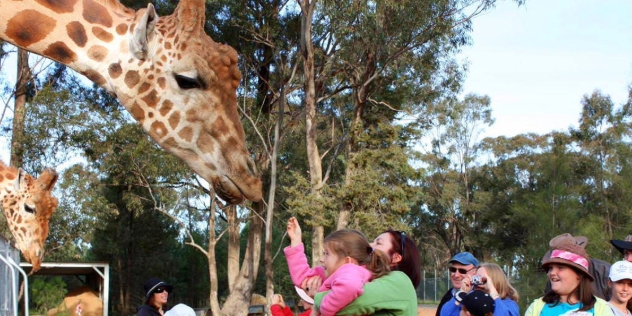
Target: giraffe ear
x: 47, y: 179
x: 19, y: 179
x: 143, y: 32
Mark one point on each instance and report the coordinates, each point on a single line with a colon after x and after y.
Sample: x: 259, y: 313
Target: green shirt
x: 392, y: 294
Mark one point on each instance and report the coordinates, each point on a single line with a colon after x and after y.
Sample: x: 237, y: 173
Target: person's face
x: 627, y: 255
x: 564, y: 279
x: 330, y: 261
x: 161, y: 296
x: 621, y: 291
x: 384, y: 243
x: 458, y: 271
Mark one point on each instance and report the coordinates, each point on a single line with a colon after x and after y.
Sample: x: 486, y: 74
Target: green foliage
x: 47, y: 293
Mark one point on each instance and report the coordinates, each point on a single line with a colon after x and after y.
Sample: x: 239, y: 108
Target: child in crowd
x: 620, y: 282
x: 348, y: 262
x: 476, y: 303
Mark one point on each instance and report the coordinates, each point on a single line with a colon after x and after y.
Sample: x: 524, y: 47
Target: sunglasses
x: 160, y: 290
x: 461, y: 270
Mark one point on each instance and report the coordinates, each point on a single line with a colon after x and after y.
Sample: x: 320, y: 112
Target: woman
x: 571, y: 285
x: 491, y: 279
x: 392, y: 294
x: 156, y: 296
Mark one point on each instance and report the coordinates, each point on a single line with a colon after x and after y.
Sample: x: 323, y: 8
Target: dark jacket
x: 146, y: 310
x: 446, y: 298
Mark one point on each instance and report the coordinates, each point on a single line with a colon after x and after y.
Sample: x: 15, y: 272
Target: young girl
x: 571, y: 284
x: 348, y: 262
x: 620, y: 281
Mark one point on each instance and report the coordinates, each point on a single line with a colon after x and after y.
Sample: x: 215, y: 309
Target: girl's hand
x: 278, y: 300
x: 311, y: 285
x: 294, y: 232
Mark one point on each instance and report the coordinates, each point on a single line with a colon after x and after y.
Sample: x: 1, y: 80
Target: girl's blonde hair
x: 501, y: 281
x: 352, y: 243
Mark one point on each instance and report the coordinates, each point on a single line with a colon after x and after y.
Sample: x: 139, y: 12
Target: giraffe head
x: 178, y: 83
x: 182, y: 87
x: 28, y: 206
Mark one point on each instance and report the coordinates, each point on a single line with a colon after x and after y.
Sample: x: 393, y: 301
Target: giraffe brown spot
x: 95, y: 13
x: 137, y: 112
x: 97, y: 52
x: 186, y: 134
x: 115, y: 70
x: 102, y: 34
x: 1, y: 178
x: 150, y: 115
x: 58, y: 6
x: 166, y: 107
x: 211, y: 166
x: 174, y: 120
x: 205, y: 141
x: 163, y: 58
x: 220, y: 127
x: 151, y: 99
x: 77, y: 33
x: 95, y: 77
x: 60, y: 52
x: 132, y: 78
x: 144, y: 87
x: 167, y: 45
x: 159, y: 129
x: 150, y: 77
x: 20, y: 30
x: 121, y: 29
x: 162, y: 82
x: 170, y: 142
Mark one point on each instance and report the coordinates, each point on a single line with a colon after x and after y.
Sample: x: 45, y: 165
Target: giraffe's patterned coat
x: 28, y: 205
x: 178, y: 83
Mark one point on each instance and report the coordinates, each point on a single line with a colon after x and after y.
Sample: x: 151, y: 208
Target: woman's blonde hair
x: 501, y: 281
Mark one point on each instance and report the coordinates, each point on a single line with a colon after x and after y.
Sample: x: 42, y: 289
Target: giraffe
x: 175, y: 81
x: 28, y: 205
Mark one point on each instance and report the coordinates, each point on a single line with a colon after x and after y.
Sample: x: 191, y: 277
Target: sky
x: 537, y: 61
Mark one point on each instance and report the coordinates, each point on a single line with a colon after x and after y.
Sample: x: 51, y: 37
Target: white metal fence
x: 9, y: 278
x: 434, y: 284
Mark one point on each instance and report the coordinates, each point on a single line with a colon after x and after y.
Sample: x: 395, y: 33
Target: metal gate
x: 9, y: 277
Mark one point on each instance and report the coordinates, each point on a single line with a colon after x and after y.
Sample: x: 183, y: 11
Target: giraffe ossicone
x: 178, y: 83
x: 28, y: 205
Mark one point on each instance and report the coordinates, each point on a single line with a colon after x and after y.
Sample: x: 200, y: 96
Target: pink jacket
x: 345, y: 285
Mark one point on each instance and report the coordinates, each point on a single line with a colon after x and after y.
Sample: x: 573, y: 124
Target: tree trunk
x: 239, y: 299
x: 233, y: 246
x: 19, y: 109
x: 212, y: 261
x: 311, y: 117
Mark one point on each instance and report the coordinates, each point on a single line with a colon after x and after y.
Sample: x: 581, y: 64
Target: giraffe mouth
x: 228, y: 190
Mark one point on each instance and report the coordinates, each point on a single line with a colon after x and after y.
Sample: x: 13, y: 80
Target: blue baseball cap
x: 464, y: 258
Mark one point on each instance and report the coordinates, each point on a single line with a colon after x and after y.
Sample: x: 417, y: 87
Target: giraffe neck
x: 7, y: 179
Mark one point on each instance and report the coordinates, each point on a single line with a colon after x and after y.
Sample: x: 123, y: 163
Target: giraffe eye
x: 188, y: 82
x: 29, y: 209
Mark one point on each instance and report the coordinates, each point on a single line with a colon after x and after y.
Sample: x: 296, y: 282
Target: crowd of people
x: 361, y: 277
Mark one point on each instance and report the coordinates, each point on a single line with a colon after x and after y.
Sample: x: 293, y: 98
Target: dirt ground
x: 426, y: 310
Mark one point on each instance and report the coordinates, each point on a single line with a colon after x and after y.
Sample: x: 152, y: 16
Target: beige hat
x: 567, y: 251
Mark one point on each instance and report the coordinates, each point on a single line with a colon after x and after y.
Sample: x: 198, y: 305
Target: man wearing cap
x: 620, y: 282
x: 156, y: 296
x: 624, y: 247
x: 462, y: 264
